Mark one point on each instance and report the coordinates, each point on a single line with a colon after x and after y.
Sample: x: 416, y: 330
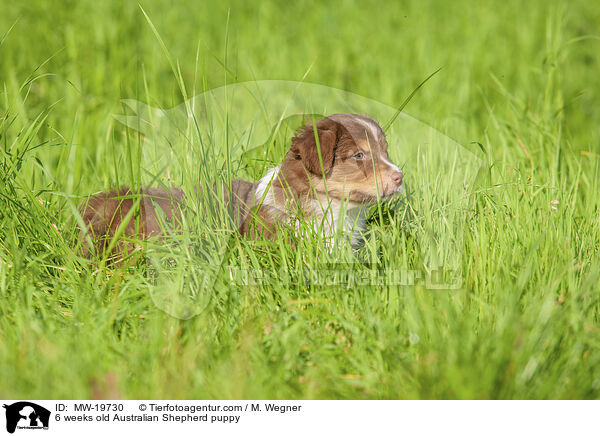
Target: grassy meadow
x: 518, y: 88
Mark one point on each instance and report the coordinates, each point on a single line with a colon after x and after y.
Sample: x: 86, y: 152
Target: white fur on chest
x: 326, y: 216
x: 332, y: 216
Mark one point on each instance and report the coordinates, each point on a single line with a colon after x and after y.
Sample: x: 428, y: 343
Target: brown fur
x: 104, y: 213
x: 332, y: 171
x: 341, y: 177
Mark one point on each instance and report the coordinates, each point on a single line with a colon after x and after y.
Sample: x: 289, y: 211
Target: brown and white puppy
x: 333, y: 190
x: 327, y: 179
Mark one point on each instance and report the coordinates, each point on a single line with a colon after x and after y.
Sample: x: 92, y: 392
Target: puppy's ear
x: 304, y: 145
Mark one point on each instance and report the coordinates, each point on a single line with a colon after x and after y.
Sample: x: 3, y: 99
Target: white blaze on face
x: 370, y: 125
x: 390, y: 165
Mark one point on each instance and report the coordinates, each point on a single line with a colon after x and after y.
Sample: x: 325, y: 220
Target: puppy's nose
x: 396, y: 177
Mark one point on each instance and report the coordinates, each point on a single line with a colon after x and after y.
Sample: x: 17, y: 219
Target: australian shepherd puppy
x: 328, y: 179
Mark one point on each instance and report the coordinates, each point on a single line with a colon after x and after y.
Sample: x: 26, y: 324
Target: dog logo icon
x: 26, y: 415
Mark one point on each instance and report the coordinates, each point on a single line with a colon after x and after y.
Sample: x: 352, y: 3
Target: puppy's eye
x: 359, y: 155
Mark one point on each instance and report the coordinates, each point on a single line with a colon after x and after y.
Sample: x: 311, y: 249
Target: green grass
x: 518, y: 78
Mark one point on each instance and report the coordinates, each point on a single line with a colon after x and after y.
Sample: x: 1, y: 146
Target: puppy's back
x: 104, y: 214
x: 136, y: 214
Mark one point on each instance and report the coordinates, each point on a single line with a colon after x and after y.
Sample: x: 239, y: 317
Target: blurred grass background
x: 520, y: 78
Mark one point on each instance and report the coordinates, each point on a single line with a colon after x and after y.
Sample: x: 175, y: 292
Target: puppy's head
x: 353, y: 164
